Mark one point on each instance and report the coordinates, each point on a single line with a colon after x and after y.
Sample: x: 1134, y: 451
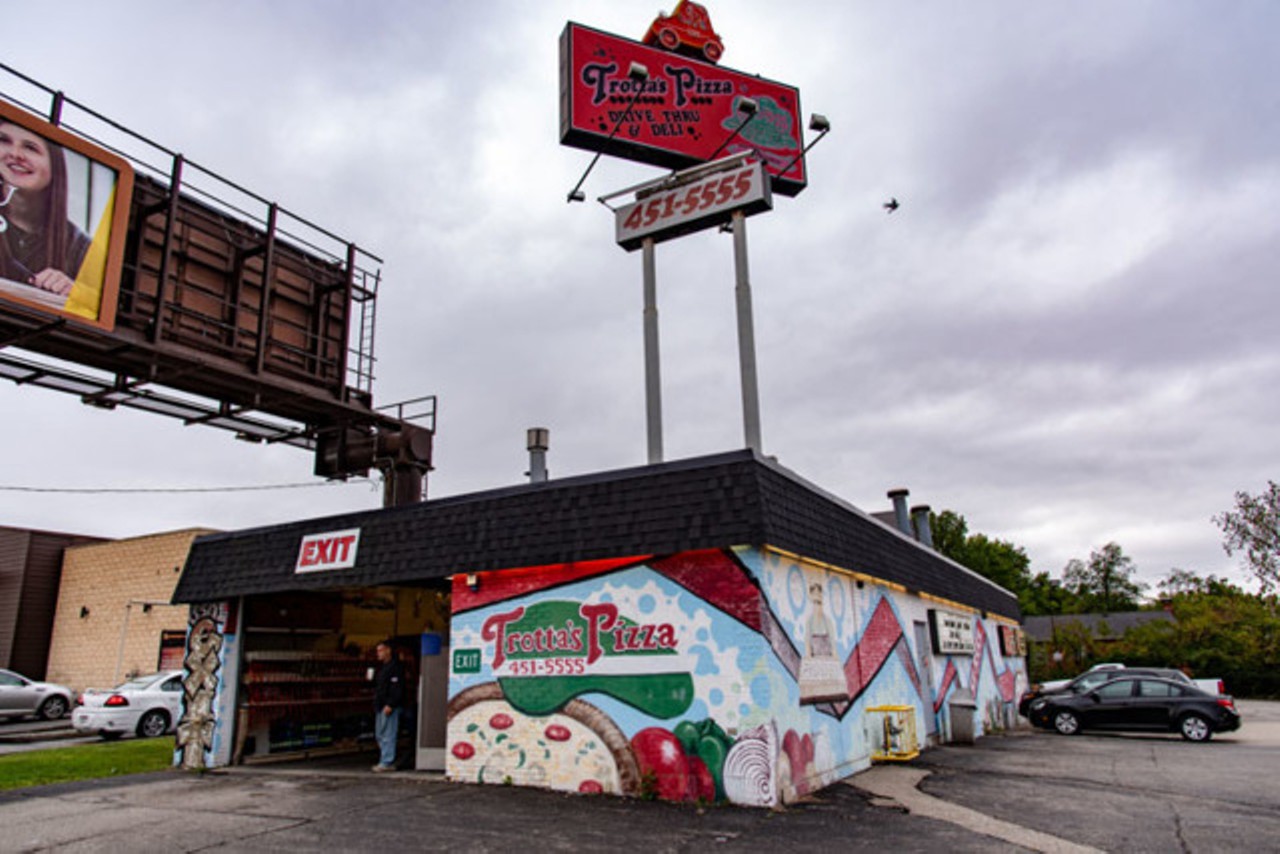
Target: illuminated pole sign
x: 735, y: 137
x: 681, y: 115
x: 701, y: 203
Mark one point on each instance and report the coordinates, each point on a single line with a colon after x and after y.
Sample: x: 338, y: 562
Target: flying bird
x: 891, y: 205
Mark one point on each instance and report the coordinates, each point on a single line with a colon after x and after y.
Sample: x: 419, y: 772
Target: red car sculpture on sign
x: 687, y: 30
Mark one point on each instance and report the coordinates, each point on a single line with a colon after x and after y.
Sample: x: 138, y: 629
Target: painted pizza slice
x: 575, y: 749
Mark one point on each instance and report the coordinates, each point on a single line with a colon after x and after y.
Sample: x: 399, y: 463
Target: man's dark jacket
x: 388, y: 685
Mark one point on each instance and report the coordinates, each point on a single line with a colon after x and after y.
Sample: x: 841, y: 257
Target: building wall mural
x: 210, y: 674
x: 736, y: 674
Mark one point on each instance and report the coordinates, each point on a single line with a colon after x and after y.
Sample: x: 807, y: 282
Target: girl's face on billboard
x: 24, y: 158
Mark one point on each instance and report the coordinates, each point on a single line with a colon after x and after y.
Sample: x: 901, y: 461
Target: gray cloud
x: 1065, y: 333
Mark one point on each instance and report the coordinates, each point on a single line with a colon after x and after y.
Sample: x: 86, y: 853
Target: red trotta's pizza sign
x: 682, y: 115
x: 330, y: 550
x: 584, y: 633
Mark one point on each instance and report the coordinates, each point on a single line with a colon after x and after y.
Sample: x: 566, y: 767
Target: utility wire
x: 179, y: 489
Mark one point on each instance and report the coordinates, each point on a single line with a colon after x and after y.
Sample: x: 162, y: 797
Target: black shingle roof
x: 732, y: 499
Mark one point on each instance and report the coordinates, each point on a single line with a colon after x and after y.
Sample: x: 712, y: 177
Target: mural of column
x: 821, y: 676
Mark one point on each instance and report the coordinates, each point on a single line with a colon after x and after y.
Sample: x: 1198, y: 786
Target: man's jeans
x: 385, y: 729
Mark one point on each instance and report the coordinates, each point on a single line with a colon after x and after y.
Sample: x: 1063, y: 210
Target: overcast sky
x: 1067, y: 333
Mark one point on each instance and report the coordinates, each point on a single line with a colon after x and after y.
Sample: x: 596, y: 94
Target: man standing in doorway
x: 388, y: 697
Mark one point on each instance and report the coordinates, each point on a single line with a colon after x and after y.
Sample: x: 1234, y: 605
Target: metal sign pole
x: 720, y: 193
x: 652, y: 372
x: 746, y: 334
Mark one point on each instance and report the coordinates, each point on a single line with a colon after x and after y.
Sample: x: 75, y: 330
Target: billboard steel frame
x: 259, y: 323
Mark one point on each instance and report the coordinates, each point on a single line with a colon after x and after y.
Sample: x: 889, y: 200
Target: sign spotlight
x: 637, y: 73
x: 748, y: 106
x: 820, y: 125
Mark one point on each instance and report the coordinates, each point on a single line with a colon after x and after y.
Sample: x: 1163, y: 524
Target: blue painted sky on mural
x: 1066, y: 332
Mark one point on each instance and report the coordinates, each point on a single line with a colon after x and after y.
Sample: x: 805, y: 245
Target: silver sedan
x: 20, y: 696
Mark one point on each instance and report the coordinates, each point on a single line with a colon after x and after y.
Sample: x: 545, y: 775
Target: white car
x: 1059, y: 684
x: 1209, y: 686
x: 20, y: 696
x: 147, y: 706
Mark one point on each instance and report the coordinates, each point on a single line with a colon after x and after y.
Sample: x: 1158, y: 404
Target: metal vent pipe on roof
x: 899, y: 499
x: 920, y: 515
x: 538, y: 442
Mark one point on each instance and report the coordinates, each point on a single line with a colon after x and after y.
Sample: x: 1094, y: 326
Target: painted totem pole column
x: 208, y: 687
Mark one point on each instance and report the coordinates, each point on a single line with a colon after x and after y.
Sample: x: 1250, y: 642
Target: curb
x: 32, y: 736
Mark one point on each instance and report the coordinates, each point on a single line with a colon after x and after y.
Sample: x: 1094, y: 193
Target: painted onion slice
x: 749, y: 768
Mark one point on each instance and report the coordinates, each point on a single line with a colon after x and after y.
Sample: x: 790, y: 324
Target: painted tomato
x: 501, y: 720
x: 591, y: 787
x: 662, y: 759
x: 463, y: 750
x: 556, y: 732
x: 702, y: 786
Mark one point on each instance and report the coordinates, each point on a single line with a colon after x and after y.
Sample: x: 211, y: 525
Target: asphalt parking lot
x: 1126, y: 792
x: 1025, y: 791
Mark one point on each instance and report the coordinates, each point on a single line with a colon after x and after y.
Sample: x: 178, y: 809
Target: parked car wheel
x: 1195, y: 728
x: 1066, y: 722
x: 152, y: 724
x: 53, y: 708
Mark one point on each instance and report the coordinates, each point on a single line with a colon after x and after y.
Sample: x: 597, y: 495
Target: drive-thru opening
x: 305, y: 687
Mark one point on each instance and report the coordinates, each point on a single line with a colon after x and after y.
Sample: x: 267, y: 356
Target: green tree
x: 1253, y: 527
x: 1219, y: 630
x: 949, y: 531
x: 1069, y: 650
x: 1003, y: 562
x: 1180, y: 582
x: 1045, y: 595
x: 1105, y: 583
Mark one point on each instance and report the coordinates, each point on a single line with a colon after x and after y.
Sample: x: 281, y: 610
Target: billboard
x: 682, y: 115
x: 64, y: 210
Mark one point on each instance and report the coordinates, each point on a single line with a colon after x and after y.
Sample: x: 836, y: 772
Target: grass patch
x: 85, y: 762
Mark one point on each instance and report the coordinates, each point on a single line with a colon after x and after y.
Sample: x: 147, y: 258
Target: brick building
x: 113, y: 616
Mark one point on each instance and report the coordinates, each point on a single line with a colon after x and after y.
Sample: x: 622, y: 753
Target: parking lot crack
x: 256, y: 835
x: 1177, y: 830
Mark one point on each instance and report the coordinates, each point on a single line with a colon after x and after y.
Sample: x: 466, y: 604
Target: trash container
x: 963, y: 710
